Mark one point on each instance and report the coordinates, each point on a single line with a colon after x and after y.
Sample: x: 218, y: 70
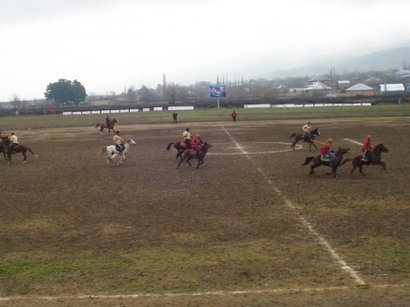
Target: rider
x: 13, y: 142
x: 186, y: 135
x: 327, y: 152
x: 307, y: 128
x: 196, y: 143
x: 107, y: 121
x: 367, y: 149
x: 119, y: 142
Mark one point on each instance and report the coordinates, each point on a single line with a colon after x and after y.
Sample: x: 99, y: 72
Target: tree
x: 66, y: 92
x: 145, y: 94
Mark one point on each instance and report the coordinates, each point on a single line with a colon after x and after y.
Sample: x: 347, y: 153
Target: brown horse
x: 193, y: 154
x: 5, y: 148
x: 317, y: 161
x: 180, y: 146
x: 309, y: 140
x: 102, y: 126
x: 375, y: 159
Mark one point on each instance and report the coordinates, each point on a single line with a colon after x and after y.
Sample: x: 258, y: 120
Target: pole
x: 217, y: 100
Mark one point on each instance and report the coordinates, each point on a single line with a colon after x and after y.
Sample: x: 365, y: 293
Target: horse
x: 376, y: 159
x: 315, y: 132
x: 1, y: 147
x: 20, y: 148
x: 112, y: 152
x: 102, y: 126
x: 193, y: 154
x: 180, y: 146
x: 317, y: 161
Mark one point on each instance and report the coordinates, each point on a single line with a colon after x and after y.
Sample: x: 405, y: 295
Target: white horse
x: 112, y: 152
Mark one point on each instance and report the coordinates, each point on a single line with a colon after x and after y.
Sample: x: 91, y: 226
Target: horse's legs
x: 25, y: 156
x: 294, y: 143
x: 314, y: 145
x: 180, y: 161
x: 353, y: 169
x: 361, y: 169
x: 123, y: 158
x: 187, y: 160
x: 312, y: 169
x: 334, y: 169
x: 382, y: 164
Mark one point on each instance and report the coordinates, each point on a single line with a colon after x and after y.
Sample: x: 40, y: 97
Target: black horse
x: 317, y: 161
x: 309, y: 139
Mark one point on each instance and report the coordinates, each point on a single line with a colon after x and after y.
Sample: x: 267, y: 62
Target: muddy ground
x: 72, y: 225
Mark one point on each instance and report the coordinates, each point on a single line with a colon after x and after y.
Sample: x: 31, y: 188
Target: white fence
x: 155, y: 109
x: 306, y: 105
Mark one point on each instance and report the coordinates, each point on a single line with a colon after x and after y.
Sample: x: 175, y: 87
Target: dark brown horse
x: 180, y: 146
x: 317, y: 161
x: 310, y: 140
x: 375, y: 159
x: 193, y: 154
x: 102, y: 126
x: 5, y: 148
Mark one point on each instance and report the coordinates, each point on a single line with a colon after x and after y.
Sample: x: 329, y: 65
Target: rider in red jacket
x: 326, y: 151
x: 367, y: 149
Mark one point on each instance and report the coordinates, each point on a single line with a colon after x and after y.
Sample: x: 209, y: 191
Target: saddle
x: 307, y: 137
x: 324, y: 158
x: 119, y: 147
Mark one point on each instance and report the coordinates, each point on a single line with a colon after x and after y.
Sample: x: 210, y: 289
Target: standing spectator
x: 175, y: 117
x: 233, y: 114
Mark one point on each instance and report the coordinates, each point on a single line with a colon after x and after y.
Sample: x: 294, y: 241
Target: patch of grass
x: 400, y: 257
x: 156, y: 270
x: 199, y: 115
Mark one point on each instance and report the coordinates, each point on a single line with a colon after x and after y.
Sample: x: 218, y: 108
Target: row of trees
x: 66, y: 92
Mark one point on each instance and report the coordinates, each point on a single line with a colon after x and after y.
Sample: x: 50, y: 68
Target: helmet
x: 329, y: 140
x: 187, y: 129
x: 308, y: 123
x: 368, y: 136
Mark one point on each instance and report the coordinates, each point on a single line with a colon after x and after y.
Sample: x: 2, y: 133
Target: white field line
x: 343, y: 265
x: 353, y: 141
x: 210, y: 293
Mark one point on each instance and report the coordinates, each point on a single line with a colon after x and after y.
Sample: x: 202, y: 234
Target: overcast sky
x: 109, y: 45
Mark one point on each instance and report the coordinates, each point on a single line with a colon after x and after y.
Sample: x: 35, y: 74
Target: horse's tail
x: 96, y: 126
x: 102, y: 149
x: 293, y: 135
x: 346, y: 160
x: 32, y: 152
x: 169, y: 145
x: 307, y: 160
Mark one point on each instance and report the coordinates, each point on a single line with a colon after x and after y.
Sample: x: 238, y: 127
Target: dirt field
x: 250, y: 219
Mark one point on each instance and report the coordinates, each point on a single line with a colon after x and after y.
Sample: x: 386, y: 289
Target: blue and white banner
x: 217, y: 91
